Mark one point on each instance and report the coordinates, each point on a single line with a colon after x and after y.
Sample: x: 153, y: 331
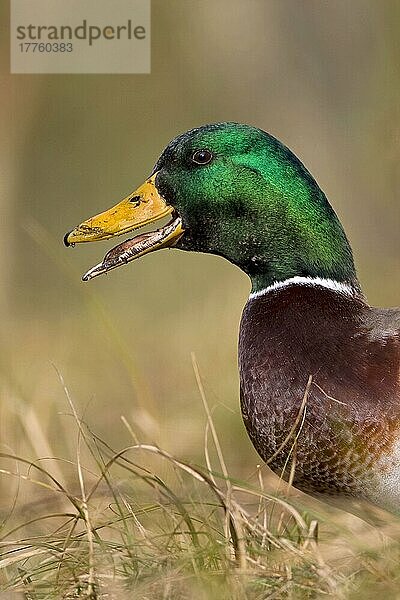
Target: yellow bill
x: 140, y: 208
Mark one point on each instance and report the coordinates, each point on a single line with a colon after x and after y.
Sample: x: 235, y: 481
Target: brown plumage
x: 349, y: 431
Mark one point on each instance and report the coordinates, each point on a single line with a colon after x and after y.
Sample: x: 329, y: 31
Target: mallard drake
x: 319, y: 367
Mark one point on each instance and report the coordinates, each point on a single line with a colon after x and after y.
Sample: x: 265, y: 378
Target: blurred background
x: 323, y: 77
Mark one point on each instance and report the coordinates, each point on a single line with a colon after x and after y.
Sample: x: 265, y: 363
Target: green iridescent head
x: 241, y: 194
x: 249, y: 199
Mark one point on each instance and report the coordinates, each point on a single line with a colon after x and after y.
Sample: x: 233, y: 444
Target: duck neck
x: 293, y: 230
x: 320, y: 252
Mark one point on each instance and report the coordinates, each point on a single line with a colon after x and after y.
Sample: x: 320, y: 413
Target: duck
x: 319, y: 367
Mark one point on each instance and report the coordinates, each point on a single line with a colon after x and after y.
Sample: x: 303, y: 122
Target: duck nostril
x: 136, y: 200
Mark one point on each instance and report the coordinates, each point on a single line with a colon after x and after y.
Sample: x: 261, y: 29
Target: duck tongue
x: 131, y: 249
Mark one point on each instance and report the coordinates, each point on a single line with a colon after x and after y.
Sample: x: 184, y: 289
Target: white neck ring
x: 331, y: 284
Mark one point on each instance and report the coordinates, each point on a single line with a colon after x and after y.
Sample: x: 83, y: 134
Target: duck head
x: 235, y: 191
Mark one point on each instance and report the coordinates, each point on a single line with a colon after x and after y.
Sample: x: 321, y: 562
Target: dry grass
x: 125, y: 530
x: 109, y: 525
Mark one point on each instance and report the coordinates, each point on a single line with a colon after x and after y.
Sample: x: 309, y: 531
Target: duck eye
x: 202, y: 157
